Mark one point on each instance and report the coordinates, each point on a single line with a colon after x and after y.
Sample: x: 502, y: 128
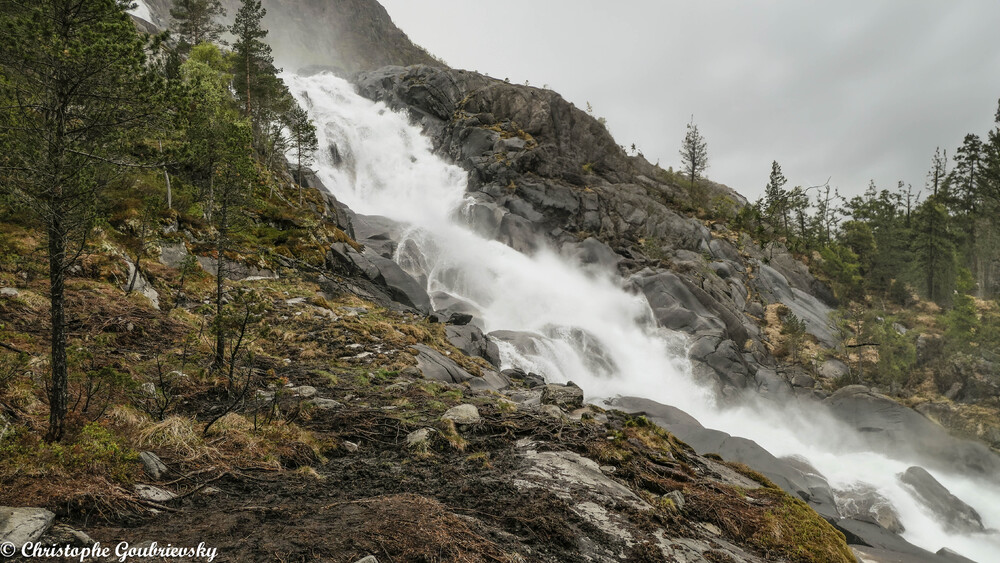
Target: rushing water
x: 589, y: 329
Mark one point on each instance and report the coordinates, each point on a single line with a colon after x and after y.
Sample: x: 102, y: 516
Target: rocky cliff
x: 346, y: 36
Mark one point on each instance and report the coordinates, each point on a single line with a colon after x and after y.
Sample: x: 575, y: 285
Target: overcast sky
x: 853, y: 89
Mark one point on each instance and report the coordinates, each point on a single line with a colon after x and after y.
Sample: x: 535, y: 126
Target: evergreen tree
x: 303, y: 140
x: 75, y: 94
x: 967, y: 174
x: 694, y: 153
x: 776, y: 198
x: 253, y: 63
x: 934, y: 248
x: 938, y: 172
x: 196, y: 21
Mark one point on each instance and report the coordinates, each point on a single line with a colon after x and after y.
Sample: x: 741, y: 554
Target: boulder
x: 401, y: 286
x: 141, y: 285
x: 61, y: 534
x: 418, y: 438
x: 23, y: 525
x: 155, y: 494
x: 956, y: 515
x: 833, y: 369
x: 463, y: 414
x: 173, y: 255
x: 152, y: 465
x: 865, y: 503
x: 434, y: 365
x: 304, y: 391
x: 470, y: 340
x: 568, y: 397
x: 236, y: 271
x: 876, y: 544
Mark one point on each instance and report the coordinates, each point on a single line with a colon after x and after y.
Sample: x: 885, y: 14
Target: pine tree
x: 967, y: 173
x: 938, y: 172
x: 934, y: 248
x: 75, y: 94
x: 303, y: 140
x: 694, y: 153
x: 776, y: 198
x: 196, y: 21
x: 253, y: 61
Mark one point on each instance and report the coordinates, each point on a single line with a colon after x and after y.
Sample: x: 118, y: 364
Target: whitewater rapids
x: 387, y: 167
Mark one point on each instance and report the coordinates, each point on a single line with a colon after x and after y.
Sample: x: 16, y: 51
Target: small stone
x: 155, y: 494
x: 463, y: 414
x: 152, y: 465
x: 350, y: 446
x: 368, y: 559
x: 677, y: 497
x: 711, y: 528
x: 552, y: 411
x: 9, y: 292
x: 327, y: 404
x: 418, y: 437
x: 608, y: 469
x: 305, y: 391
x: 398, y: 386
x: 411, y: 372
x: 210, y: 491
x: 295, y: 301
x: 148, y: 388
x: 61, y: 534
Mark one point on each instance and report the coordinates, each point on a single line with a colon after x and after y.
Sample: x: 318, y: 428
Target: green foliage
x: 77, y: 98
x: 694, y: 153
x: 195, y: 21
x: 897, y: 354
x: 899, y: 293
x: 840, y: 265
x: 934, y: 249
x: 95, y: 452
x: 962, y: 322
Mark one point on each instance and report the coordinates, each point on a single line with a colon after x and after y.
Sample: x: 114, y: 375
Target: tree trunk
x: 166, y: 175
x: 58, y: 394
x: 220, y: 333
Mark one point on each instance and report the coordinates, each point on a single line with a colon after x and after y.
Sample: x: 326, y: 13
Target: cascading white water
x: 386, y: 167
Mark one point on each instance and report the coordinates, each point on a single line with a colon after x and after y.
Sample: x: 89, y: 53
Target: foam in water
x: 586, y: 328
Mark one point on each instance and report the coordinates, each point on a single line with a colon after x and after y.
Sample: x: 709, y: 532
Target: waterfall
x: 588, y: 329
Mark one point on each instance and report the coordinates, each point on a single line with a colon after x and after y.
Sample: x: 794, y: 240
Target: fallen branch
x: 15, y: 349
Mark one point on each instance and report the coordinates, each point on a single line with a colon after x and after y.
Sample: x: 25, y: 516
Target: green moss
x: 95, y: 452
x: 794, y: 530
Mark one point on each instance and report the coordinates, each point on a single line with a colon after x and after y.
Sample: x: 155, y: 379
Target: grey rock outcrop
x: 23, y: 525
x: 793, y: 477
x: 470, y: 340
x: 885, y: 425
x: 956, y: 515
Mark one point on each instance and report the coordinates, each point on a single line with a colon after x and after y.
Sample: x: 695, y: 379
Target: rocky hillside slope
x: 545, y: 172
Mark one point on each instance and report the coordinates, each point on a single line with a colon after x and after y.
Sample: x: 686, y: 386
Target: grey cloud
x: 856, y: 90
